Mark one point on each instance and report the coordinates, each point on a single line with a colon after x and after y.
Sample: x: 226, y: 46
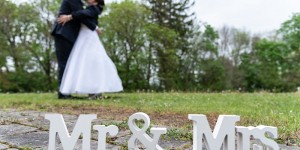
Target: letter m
x: 58, y: 126
x: 223, y: 134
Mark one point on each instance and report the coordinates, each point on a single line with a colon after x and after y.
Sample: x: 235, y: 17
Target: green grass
x: 280, y: 110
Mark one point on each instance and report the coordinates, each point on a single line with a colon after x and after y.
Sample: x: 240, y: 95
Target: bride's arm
x: 90, y: 12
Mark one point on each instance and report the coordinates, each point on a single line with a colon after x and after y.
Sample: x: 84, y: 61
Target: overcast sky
x: 254, y: 15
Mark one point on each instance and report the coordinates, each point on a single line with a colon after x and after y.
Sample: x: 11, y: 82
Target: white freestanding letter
x: 224, y: 132
x: 257, y: 147
x: 243, y: 137
x: 57, y: 125
x: 102, y: 131
x: 260, y: 132
x: 141, y: 135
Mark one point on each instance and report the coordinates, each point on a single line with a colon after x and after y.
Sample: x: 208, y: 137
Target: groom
x: 66, y: 34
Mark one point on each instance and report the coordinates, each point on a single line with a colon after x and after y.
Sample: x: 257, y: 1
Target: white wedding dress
x: 89, y: 69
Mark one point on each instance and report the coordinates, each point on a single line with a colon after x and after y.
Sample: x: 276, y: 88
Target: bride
x: 89, y: 69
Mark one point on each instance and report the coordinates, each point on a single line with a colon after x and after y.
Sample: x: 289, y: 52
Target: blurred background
x: 164, y: 45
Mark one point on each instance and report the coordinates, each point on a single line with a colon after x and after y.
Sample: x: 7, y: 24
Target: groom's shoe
x: 61, y: 96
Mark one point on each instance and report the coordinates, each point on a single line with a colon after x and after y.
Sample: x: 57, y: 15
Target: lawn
x: 172, y: 109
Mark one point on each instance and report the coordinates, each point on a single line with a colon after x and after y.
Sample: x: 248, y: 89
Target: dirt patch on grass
x: 170, y: 119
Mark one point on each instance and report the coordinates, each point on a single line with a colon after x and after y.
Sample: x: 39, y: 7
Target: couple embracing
x: 83, y: 64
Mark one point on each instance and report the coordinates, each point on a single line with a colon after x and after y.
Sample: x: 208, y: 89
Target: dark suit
x: 66, y: 35
x: 71, y: 29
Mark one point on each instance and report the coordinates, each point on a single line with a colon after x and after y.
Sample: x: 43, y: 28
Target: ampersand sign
x: 139, y: 134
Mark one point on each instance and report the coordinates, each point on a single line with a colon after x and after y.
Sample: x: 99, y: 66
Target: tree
x: 16, y: 28
x: 172, y: 15
x: 125, y: 38
x: 267, y: 67
x: 42, y: 44
x: 210, y: 70
x: 26, y: 43
x: 290, y: 32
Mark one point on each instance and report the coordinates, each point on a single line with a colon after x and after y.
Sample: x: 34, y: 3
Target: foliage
x: 125, y: 38
x: 172, y: 16
x: 268, y: 67
x: 156, y: 45
x: 27, y: 48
